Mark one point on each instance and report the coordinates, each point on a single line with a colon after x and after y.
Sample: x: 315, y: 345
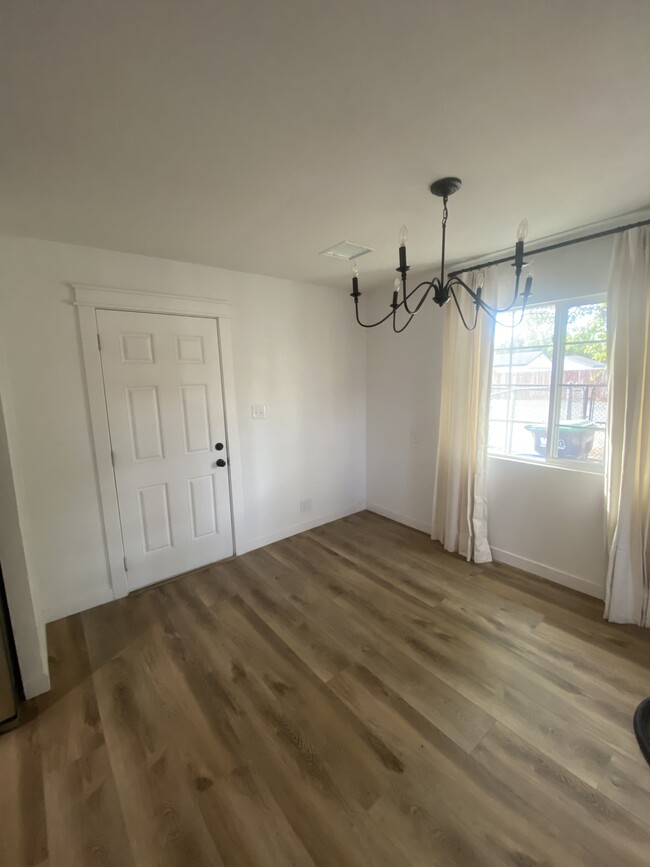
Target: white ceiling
x: 253, y: 134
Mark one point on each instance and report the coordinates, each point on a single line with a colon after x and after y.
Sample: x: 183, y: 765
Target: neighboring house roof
x: 533, y: 359
x: 537, y: 359
x: 581, y: 362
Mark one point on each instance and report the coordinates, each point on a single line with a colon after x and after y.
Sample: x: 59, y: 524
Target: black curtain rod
x: 557, y: 246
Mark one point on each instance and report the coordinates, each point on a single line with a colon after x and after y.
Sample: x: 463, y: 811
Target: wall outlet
x: 305, y: 505
x: 258, y: 410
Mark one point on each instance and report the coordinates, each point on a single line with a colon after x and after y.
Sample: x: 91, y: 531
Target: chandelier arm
x: 406, y: 295
x: 436, y: 285
x: 483, y: 305
x: 406, y: 324
x: 381, y: 321
x: 370, y: 324
x: 521, y: 316
x: 522, y: 311
x: 471, y: 327
x: 456, y: 281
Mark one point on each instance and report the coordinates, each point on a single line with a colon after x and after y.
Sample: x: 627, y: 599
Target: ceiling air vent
x: 346, y: 250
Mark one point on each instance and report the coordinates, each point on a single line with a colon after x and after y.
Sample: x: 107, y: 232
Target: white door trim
x: 89, y: 299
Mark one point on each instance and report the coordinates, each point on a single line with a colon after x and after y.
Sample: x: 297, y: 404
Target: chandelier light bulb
x: 522, y: 231
x: 396, y: 284
x: 480, y: 280
x: 355, y: 269
x: 402, y: 236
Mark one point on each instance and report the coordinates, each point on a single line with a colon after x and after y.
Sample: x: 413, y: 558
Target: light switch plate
x: 258, y: 410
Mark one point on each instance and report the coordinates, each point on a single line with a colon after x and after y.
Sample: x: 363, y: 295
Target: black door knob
x: 221, y: 462
x: 218, y: 446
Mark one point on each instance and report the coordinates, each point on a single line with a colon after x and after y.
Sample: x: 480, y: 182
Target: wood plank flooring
x: 350, y: 697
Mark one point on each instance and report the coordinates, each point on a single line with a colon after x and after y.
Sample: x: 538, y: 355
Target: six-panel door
x: 162, y: 382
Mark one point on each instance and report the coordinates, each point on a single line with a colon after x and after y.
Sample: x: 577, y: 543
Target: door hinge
x: 126, y: 568
x: 99, y: 342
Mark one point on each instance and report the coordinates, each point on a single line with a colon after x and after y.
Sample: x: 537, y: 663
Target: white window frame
x: 555, y: 396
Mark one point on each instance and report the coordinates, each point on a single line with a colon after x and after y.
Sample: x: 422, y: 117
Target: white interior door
x: 162, y: 381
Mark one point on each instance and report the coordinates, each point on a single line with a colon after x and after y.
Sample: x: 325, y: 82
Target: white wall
x: 546, y: 520
x: 27, y: 621
x: 403, y: 396
x: 549, y: 521
x: 296, y: 349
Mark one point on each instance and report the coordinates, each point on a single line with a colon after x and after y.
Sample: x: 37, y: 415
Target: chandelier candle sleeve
x: 394, y: 303
x: 522, y: 232
x: 402, y: 250
x: 355, y: 281
x: 528, y: 288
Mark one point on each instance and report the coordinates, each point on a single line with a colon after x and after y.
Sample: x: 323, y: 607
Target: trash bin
x: 575, y: 438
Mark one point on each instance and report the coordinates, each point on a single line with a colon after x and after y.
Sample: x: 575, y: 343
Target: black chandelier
x: 445, y: 289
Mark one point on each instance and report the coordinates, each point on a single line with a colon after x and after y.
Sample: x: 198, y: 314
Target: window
x: 549, y: 384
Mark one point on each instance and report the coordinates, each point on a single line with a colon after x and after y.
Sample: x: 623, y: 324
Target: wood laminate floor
x: 350, y: 696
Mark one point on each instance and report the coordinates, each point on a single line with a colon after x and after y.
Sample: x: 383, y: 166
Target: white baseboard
x: 36, y: 685
x: 575, y: 582
x: 415, y: 523
x: 74, y: 606
x: 260, y: 541
x: 99, y: 597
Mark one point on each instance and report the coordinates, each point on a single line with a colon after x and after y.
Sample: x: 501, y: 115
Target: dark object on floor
x: 642, y: 728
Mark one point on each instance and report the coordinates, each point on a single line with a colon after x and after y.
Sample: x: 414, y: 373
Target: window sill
x: 570, y: 466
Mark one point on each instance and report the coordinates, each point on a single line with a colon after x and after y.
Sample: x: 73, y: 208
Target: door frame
x: 88, y: 300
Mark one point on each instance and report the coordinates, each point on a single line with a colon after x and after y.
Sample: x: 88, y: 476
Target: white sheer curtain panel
x: 628, y: 466
x: 460, y: 496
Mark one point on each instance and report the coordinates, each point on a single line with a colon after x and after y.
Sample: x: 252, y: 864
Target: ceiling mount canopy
x: 445, y: 288
x: 446, y: 187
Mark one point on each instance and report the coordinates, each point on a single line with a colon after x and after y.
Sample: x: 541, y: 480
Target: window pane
x: 528, y: 440
x: 502, y: 331
x: 521, y: 378
x: 582, y: 402
x: 521, y: 384
x: 587, y: 322
x: 497, y: 437
x: 585, y: 354
x: 537, y: 328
